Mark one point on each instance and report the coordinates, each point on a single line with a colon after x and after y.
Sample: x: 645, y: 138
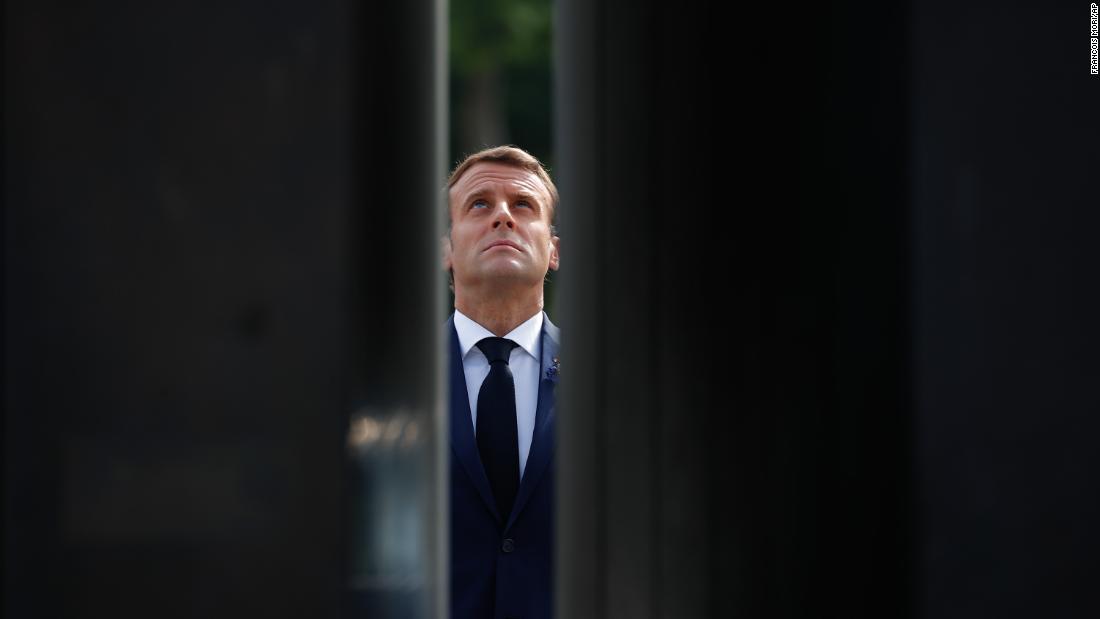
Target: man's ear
x: 554, y: 258
x: 445, y: 252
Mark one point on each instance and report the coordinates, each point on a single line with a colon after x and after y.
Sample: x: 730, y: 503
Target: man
x: 504, y: 368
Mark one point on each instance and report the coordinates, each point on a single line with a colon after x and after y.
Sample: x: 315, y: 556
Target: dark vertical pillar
x: 734, y: 427
x: 400, y: 512
x: 1005, y: 160
x: 218, y: 233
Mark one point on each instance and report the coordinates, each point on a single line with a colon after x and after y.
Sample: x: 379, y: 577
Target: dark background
x: 828, y: 297
x: 177, y: 269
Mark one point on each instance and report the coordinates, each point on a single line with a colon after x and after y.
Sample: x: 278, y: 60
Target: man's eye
x: 523, y: 204
x: 479, y: 203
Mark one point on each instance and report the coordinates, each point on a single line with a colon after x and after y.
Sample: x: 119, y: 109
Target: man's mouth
x: 507, y: 244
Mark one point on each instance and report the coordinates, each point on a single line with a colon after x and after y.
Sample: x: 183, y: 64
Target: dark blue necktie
x: 497, y: 436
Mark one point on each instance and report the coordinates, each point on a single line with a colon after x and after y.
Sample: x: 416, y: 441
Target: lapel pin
x: 552, y: 373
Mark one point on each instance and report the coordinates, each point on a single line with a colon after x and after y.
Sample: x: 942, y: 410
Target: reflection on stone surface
x: 388, y: 450
x: 371, y: 430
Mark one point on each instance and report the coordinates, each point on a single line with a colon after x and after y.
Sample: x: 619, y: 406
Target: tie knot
x: 496, y: 349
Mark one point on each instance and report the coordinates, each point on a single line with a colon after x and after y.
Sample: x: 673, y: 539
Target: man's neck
x: 500, y: 315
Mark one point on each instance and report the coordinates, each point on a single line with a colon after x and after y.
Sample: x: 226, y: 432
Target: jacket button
x: 508, y: 545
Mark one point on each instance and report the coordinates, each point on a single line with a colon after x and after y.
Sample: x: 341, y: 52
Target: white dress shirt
x: 524, y: 363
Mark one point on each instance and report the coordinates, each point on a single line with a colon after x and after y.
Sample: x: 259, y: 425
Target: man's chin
x: 506, y: 277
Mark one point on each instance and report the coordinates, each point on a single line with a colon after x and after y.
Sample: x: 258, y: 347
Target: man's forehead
x: 487, y: 175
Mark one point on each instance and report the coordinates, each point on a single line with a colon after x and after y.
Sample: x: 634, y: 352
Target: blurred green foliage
x: 487, y: 33
x: 501, y: 81
x: 500, y: 52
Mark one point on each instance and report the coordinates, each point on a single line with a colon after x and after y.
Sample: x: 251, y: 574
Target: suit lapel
x: 542, y: 443
x: 462, y: 431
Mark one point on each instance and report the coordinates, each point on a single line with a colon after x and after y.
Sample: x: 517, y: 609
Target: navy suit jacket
x: 502, y: 570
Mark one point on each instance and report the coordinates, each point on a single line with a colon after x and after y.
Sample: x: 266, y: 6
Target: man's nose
x: 503, y: 216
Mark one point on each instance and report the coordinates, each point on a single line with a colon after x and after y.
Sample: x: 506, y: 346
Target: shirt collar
x: 526, y: 334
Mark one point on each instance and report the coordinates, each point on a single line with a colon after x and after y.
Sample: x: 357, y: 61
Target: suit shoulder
x: 551, y: 329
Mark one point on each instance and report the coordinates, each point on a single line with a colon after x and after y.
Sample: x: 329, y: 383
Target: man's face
x: 500, y: 227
